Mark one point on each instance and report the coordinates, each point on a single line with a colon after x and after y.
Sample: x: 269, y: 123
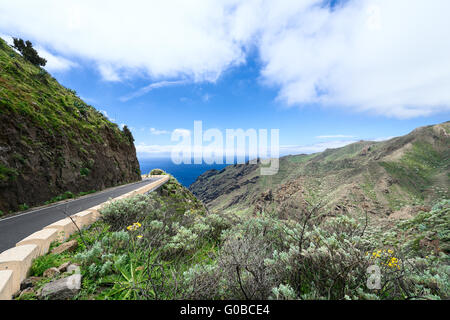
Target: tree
x: 28, y: 52
x: 128, y: 134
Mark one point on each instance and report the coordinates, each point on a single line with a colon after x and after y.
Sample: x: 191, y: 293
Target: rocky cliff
x: 51, y: 141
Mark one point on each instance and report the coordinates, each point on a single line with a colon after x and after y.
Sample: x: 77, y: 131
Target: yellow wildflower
x: 134, y: 227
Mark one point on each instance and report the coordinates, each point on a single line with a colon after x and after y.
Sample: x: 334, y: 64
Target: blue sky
x: 237, y: 100
x: 321, y: 78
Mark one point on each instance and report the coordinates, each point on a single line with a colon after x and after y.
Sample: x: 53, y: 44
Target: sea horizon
x: 186, y: 174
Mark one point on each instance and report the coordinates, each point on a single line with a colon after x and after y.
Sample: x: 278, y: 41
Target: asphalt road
x: 18, y: 227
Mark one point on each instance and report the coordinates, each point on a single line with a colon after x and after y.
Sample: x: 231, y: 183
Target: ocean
x: 186, y: 174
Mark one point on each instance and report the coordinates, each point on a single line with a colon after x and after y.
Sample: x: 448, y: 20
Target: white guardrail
x: 15, y: 263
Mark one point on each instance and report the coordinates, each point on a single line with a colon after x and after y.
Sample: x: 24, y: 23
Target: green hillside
x: 377, y: 177
x: 51, y: 141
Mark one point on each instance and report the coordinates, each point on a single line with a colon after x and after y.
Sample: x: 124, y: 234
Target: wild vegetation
x: 167, y: 245
x: 51, y: 141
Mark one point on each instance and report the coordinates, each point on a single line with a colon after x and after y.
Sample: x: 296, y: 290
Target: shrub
x: 217, y: 224
x: 24, y: 207
x: 122, y: 213
x: 264, y: 257
x: 243, y: 269
x: 85, y: 172
x: 157, y: 172
x: 104, y: 254
x: 432, y: 229
x: 201, y: 282
x: 240, y: 271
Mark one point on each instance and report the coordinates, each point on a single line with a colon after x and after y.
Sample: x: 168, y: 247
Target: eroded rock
x: 62, y: 289
x: 29, y: 282
x: 51, y: 272
x: 73, y: 268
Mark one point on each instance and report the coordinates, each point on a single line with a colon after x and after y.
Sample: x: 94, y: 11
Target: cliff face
x: 51, y: 141
x: 381, y: 178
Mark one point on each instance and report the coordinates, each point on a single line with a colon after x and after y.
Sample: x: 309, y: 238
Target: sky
x: 325, y: 73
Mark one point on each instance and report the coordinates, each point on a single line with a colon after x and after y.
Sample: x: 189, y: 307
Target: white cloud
x: 313, y: 148
x: 335, y: 136
x: 151, y: 87
x: 155, y: 151
x: 181, y: 132
x: 206, y: 97
x: 185, y: 99
x: 7, y: 38
x: 382, y: 139
x: 55, y: 63
x: 377, y: 56
x: 108, y: 72
x: 157, y: 132
x: 163, y: 38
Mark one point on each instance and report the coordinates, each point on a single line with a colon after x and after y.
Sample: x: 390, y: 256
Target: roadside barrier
x: 15, y: 263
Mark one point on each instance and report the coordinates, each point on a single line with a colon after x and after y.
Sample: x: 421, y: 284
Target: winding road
x: 15, y: 228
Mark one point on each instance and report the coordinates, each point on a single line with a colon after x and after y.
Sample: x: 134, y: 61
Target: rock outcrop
x: 62, y: 289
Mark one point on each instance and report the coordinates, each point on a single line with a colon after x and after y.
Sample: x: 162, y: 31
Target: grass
x: 415, y: 170
x: 369, y: 188
x: 24, y: 207
x: 43, y: 263
x: 30, y: 92
x: 7, y: 173
x: 301, y: 158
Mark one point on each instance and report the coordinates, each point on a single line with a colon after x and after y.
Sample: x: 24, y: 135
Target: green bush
x: 85, y: 172
x: 110, y: 251
x: 68, y: 195
x: 120, y: 214
x: 24, y: 207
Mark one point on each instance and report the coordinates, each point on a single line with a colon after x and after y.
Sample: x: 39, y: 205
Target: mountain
x: 51, y: 141
x: 390, y: 178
